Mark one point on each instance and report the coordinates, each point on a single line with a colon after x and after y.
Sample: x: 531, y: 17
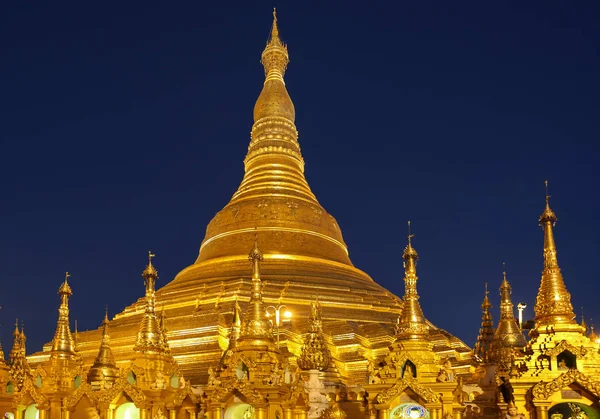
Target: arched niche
x: 9, y: 415
x: 127, y: 411
x: 409, y: 368
x: 238, y: 410
x: 566, y: 360
x: 77, y: 381
x: 241, y: 371
x: 84, y: 409
x: 174, y: 381
x: 10, y: 387
x: 131, y: 378
x: 573, y: 410
x: 31, y: 412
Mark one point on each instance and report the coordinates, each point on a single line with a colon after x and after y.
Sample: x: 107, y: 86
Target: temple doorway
x: 127, y: 411
x: 239, y: 411
x: 32, y: 412
x: 409, y: 411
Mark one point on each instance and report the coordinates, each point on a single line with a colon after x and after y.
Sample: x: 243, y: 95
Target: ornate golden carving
x: 29, y: 389
x: 553, y: 301
x: 411, y: 321
x: 408, y: 382
x: 563, y: 345
x: 315, y: 355
x: 542, y: 390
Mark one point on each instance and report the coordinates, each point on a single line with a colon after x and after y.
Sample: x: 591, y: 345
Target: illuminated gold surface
x: 104, y: 368
x: 553, y: 302
x: 486, y: 331
x: 63, y: 340
x: 411, y: 322
x: 304, y: 256
x: 315, y: 354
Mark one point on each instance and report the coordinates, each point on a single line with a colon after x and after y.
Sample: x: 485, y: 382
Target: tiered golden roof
x: 486, y: 331
x: 304, y: 255
x: 63, y: 343
x: 553, y: 302
x: 315, y: 354
x: 411, y: 323
x: 508, y: 336
x: 104, y: 368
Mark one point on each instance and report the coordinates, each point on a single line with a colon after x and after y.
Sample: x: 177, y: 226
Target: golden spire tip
x: 150, y: 256
x: 410, y: 236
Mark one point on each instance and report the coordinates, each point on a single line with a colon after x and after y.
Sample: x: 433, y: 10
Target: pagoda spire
x: 234, y: 334
x: 63, y: 343
x: 508, y: 335
x: 486, y: 331
x: 553, y: 302
x: 274, y: 159
x: 104, y: 368
x: 150, y: 337
x: 255, y: 325
x: 19, y: 367
x: 411, y: 323
x: 315, y: 354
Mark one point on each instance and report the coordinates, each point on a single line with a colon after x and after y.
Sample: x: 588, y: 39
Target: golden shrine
x: 216, y: 342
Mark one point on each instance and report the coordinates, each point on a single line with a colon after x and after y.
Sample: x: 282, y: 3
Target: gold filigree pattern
x: 542, y: 390
x: 563, y: 345
x: 427, y: 394
x: 29, y: 389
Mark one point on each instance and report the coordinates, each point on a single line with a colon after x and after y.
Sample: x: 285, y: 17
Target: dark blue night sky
x: 124, y: 126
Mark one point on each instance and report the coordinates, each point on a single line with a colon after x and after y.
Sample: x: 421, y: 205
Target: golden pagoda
x: 353, y: 349
x: 304, y: 257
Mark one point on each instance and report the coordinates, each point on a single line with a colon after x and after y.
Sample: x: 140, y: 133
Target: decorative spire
x: 149, y: 338
x: 104, y: 368
x: 508, y: 335
x: 234, y: 334
x: 411, y: 323
x: 553, y: 302
x: 19, y: 368
x: 63, y: 343
x: 162, y: 323
x: 583, y: 324
x: 255, y: 324
x: 593, y: 336
x: 315, y: 354
x: 486, y: 331
x: 16, y: 348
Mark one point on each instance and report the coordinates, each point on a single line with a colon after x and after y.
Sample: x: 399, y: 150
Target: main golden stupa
x: 305, y: 256
x: 217, y: 342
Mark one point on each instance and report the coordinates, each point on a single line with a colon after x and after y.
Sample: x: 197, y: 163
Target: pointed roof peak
x: 65, y: 288
x: 548, y: 216
x: 150, y: 269
x: 274, y: 39
x: 409, y: 251
x: 553, y: 301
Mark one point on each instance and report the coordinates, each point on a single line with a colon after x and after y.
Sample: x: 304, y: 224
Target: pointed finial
x: 274, y: 38
x: 150, y: 256
x: 75, y: 325
x: 486, y: 289
x: 150, y: 271
x: 410, y: 236
x: 67, y: 276
x: 547, y: 195
x: 106, y: 315
x: 504, y: 269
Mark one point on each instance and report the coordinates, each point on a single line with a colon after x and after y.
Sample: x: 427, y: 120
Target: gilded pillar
x: 144, y: 413
x: 110, y: 412
x: 173, y: 414
x: 19, y: 412
x: 43, y: 414
x: 541, y: 410
x: 193, y: 413
x: 260, y: 413
x: 288, y: 414
x: 384, y: 413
